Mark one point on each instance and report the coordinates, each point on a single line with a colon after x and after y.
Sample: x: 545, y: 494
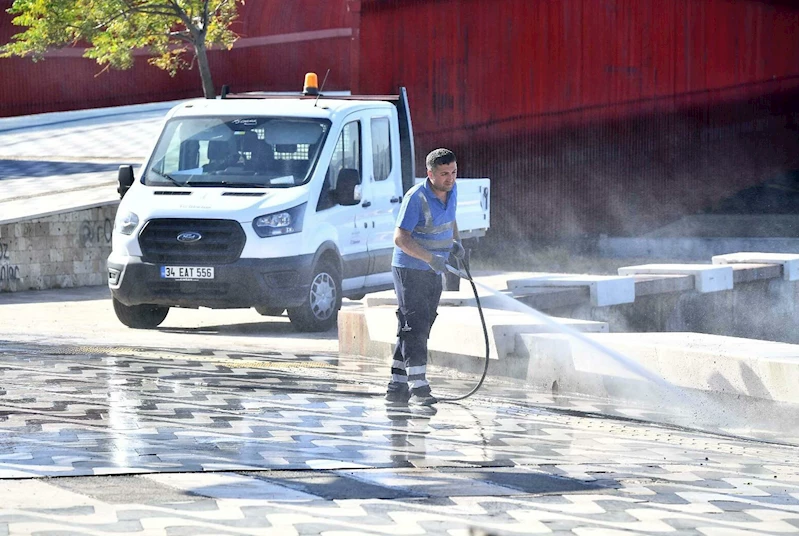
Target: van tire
x: 270, y: 311
x: 140, y: 316
x: 319, y: 312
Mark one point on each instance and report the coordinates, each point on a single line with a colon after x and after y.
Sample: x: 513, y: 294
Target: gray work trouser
x: 418, y: 294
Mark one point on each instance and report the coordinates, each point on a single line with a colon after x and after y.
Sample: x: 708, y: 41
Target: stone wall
x: 61, y: 250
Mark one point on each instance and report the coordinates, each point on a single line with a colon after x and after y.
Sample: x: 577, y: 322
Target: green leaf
x: 171, y: 30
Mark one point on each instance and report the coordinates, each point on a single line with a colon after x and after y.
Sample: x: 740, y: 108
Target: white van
x: 272, y: 202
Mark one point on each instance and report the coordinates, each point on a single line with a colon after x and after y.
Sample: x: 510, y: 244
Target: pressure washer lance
x: 465, y: 274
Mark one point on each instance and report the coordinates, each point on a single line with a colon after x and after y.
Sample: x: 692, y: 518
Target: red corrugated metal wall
x: 594, y: 116
x: 280, y: 42
x: 477, y: 62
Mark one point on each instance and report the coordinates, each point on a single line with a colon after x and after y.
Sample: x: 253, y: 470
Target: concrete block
x: 458, y: 330
x: 754, y: 368
x: 48, y: 270
x: 646, y: 285
x: 449, y: 298
x: 604, y: 290
x: 788, y: 261
x: 748, y: 273
x: 544, y: 299
x: 58, y: 228
x: 707, y: 278
x: 81, y: 267
x: 632, y: 365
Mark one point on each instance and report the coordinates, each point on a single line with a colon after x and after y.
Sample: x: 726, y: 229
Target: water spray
x: 688, y: 410
x: 628, y: 364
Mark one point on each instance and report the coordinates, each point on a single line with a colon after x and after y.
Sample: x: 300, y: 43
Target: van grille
x: 221, y: 241
x: 206, y: 289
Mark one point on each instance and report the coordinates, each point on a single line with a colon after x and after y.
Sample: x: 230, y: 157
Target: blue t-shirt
x: 429, y: 221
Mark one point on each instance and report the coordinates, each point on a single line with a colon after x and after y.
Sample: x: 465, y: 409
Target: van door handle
x: 395, y: 199
x: 366, y: 204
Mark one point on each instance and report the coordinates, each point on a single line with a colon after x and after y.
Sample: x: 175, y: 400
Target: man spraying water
x: 425, y: 235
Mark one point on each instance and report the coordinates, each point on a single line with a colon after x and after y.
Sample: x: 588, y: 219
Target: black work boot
x: 398, y: 393
x: 422, y: 397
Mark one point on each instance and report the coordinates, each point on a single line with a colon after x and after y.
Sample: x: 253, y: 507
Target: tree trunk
x: 205, y: 71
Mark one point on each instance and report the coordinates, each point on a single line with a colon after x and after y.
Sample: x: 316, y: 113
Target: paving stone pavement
x: 119, y: 133
x: 68, y: 160
x: 158, y: 440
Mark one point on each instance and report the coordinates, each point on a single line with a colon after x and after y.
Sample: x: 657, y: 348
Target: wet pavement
x: 226, y: 422
x: 216, y: 431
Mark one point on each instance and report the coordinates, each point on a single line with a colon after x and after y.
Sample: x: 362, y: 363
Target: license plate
x: 187, y: 272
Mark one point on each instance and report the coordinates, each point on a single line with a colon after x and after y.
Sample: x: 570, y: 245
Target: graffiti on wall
x: 8, y: 271
x: 95, y: 232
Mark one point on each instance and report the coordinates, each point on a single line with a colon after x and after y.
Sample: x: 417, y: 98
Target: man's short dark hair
x: 439, y: 157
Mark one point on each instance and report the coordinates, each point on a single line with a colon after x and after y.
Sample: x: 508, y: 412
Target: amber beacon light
x: 311, y: 84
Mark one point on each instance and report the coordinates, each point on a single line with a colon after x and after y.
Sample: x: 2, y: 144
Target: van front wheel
x: 319, y: 312
x: 140, y: 316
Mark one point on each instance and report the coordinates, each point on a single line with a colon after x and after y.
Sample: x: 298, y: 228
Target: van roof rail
x: 279, y: 95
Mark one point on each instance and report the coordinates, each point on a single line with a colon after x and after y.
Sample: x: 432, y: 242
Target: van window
x: 267, y: 152
x: 346, y: 156
x: 381, y: 148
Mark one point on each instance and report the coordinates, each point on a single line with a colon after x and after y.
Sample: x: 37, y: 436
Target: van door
x: 383, y: 189
x: 347, y: 160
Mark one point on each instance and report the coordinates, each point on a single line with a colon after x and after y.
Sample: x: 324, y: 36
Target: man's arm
x: 456, y: 236
x: 404, y: 241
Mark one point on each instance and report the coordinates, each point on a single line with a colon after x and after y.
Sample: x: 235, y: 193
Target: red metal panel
x: 486, y: 62
x: 594, y: 115
x: 297, y: 44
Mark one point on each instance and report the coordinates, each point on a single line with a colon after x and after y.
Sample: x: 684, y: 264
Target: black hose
x: 485, y: 334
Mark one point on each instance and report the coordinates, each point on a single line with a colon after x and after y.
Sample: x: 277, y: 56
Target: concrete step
x: 457, y: 337
x: 788, y: 261
x: 707, y: 277
x: 604, y: 290
x: 733, y: 385
x: 713, y: 363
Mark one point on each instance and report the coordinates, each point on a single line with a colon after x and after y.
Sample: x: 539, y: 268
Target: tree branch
x: 180, y: 35
x: 182, y: 15
x: 131, y: 8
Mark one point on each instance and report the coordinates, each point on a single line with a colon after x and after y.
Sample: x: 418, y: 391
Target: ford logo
x: 189, y: 236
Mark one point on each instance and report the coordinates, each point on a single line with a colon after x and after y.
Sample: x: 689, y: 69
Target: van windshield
x: 246, y: 152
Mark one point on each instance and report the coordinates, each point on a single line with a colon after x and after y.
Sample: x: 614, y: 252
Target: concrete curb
x: 8, y: 124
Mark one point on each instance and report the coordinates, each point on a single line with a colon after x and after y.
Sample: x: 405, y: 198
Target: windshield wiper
x: 246, y: 185
x: 169, y: 177
x: 234, y: 184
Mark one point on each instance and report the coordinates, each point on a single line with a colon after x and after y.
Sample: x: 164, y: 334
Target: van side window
x: 346, y: 156
x: 381, y: 148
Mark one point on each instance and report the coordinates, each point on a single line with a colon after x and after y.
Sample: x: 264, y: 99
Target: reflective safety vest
x: 434, y: 238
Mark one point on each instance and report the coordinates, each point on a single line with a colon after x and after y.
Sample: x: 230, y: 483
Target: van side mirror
x: 347, y: 191
x: 125, y: 179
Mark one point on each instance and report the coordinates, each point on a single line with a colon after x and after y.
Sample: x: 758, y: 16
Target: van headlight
x: 127, y: 223
x: 280, y: 223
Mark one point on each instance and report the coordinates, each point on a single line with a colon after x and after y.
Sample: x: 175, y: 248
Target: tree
x: 113, y: 29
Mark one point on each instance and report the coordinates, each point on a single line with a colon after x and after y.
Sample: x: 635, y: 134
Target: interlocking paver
x: 221, y: 450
